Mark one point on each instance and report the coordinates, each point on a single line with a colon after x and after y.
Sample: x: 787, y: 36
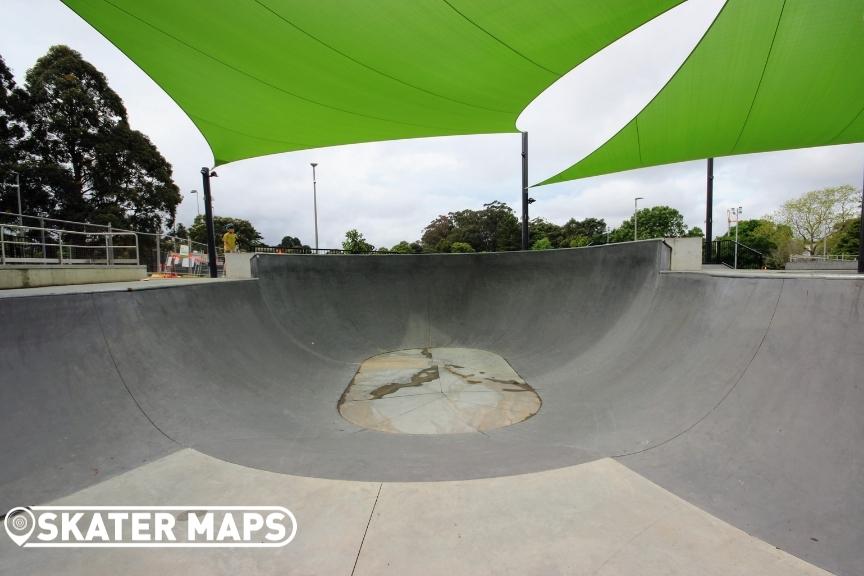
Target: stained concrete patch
x: 437, y: 391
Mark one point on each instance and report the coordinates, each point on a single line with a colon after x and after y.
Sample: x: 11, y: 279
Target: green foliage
x: 773, y: 240
x: 493, y: 229
x: 654, y: 222
x: 290, y: 242
x: 846, y: 237
x: 68, y: 136
x: 247, y: 235
x: 405, y: 247
x: 695, y: 232
x: 815, y: 214
x: 542, y: 244
x: 355, y: 243
x: 578, y: 233
x: 80, y: 158
x: 462, y: 247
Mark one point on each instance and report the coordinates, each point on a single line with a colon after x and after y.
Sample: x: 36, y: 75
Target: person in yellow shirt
x: 229, y: 239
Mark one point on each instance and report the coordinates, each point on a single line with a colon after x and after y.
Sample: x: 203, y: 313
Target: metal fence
x: 261, y: 249
x: 825, y: 258
x: 160, y: 253
x: 20, y: 245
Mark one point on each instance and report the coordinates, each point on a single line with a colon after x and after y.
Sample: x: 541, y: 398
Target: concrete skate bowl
x: 742, y: 395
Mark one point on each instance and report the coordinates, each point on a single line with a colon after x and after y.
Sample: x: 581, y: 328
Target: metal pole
x: 60, y: 246
x: 18, y: 189
x: 2, y: 247
x: 636, y: 217
x: 42, y: 234
x: 109, y: 242
x: 158, y: 254
x: 315, y: 202
x: 709, y: 214
x: 208, y: 216
x: 525, y: 233
x: 861, y: 236
x: 736, y: 244
x: 737, y: 212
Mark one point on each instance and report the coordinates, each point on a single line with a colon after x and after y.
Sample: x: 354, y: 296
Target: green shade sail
x: 264, y: 76
x: 768, y: 75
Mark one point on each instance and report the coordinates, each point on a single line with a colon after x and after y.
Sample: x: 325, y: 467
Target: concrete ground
x: 691, y: 423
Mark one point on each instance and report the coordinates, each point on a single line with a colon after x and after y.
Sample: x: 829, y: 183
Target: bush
x: 463, y: 247
x: 542, y: 244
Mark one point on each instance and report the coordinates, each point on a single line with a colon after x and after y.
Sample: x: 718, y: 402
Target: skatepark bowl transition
x: 580, y: 411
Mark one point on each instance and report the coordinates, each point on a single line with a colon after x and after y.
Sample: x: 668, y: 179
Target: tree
x: 435, y: 234
x: 493, y: 229
x: 290, y: 242
x: 773, y: 241
x: 247, y: 236
x: 405, y: 247
x: 815, y: 214
x: 539, y: 228
x: 846, y: 237
x: 695, y: 232
x: 463, y: 247
x: 542, y: 244
x: 654, y: 222
x: 11, y: 133
x: 82, y: 160
x: 577, y: 233
x: 355, y: 243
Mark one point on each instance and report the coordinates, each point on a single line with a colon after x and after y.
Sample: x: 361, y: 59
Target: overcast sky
x: 391, y: 190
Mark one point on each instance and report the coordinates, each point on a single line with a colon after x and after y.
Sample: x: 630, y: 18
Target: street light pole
x: 737, y: 212
x: 636, y: 217
x: 197, y: 203
x: 315, y: 203
x: 206, y: 173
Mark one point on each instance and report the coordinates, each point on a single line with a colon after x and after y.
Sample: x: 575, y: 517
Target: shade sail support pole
x: 709, y: 213
x: 524, y: 190
x: 861, y: 235
x: 208, y: 215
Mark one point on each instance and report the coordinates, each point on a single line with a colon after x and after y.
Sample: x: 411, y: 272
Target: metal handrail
x: 109, y: 247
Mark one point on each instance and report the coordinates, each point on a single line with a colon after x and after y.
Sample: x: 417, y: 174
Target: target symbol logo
x: 19, y: 523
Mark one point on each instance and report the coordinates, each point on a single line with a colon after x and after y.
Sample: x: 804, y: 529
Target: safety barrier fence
x: 26, y: 245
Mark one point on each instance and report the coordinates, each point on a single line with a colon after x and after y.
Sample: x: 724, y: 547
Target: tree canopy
x: 247, y: 236
x: 67, y: 134
x: 495, y: 228
x: 814, y: 215
x: 653, y: 222
x: 355, y: 243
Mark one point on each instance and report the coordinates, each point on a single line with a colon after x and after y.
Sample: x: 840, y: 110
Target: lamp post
x: 206, y: 174
x: 636, y: 217
x: 18, y: 190
x: 197, y: 203
x: 735, y: 216
x: 315, y: 203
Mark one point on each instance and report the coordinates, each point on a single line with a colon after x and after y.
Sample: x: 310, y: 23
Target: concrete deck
x: 692, y: 423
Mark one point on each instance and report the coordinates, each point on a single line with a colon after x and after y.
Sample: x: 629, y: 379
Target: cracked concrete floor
x: 437, y: 391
